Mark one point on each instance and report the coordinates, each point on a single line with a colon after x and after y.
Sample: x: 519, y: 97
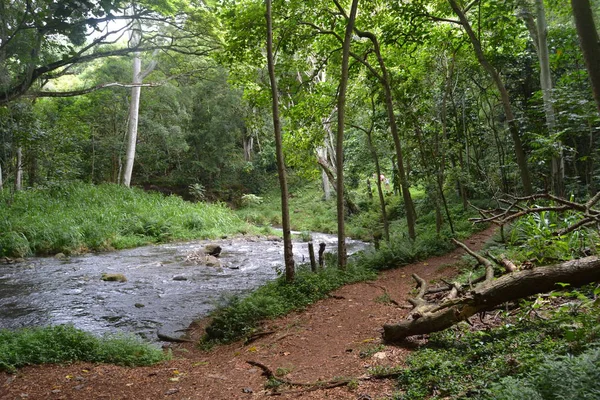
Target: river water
x: 49, y: 291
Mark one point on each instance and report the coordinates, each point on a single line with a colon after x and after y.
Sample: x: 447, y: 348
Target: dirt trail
x: 339, y: 337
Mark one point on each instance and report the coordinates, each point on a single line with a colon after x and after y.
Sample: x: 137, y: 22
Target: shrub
x: 563, y: 378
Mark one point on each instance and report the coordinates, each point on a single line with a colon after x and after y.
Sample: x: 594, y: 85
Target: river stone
x: 179, y: 278
x: 212, y: 261
x: 114, y: 278
x: 212, y: 249
x: 61, y: 256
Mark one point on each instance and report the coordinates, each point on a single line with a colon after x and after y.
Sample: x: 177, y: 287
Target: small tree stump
x: 321, y: 251
x: 311, y: 254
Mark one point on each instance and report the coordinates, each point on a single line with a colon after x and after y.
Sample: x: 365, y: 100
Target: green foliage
x: 197, y: 191
x: 241, y: 316
x: 459, y: 363
x: 534, y: 237
x: 251, y: 199
x: 59, y: 344
x: 73, y: 218
x: 564, y: 378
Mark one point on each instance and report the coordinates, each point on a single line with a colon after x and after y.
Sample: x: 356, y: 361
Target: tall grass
x: 65, y: 343
x: 77, y: 217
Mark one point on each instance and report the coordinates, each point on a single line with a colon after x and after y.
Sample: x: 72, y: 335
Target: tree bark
x: 495, y: 75
x: 384, y: 79
x: 19, y: 170
x: 588, y: 38
x: 134, y: 108
x: 341, y: 105
x: 558, y: 166
x: 492, y: 293
x: 288, y: 254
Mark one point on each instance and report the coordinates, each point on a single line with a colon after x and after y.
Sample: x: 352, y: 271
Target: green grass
x: 76, y: 217
x: 62, y: 344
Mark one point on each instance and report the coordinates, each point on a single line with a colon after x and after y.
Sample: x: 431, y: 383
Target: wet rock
x: 179, y: 278
x: 114, y: 278
x: 139, y: 305
x: 212, y: 249
x: 61, y: 257
x: 212, y: 261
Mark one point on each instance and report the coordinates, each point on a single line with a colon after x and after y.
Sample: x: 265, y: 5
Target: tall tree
x: 341, y: 106
x: 505, y: 99
x: 281, y: 171
x: 588, y: 38
x: 134, y: 106
x: 539, y: 34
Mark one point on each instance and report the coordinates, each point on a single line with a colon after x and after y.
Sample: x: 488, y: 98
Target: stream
x: 48, y: 291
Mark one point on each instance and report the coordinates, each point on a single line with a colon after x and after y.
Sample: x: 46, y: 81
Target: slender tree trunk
x: 539, y: 34
x: 288, y: 254
x: 19, y: 170
x: 386, y: 225
x: 1, y: 180
x: 389, y: 103
x: 132, y: 125
x: 321, y: 158
x: 341, y: 105
x: 558, y: 166
x: 512, y: 123
x: 588, y: 38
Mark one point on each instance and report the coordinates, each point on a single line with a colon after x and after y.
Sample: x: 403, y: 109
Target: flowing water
x: 49, y: 291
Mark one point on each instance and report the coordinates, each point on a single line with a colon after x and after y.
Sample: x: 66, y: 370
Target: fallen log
x: 489, y: 294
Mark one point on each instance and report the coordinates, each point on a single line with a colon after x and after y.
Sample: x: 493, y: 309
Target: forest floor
x: 338, y: 338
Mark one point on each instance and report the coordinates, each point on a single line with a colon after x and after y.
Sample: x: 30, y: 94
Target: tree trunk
x: 341, y: 105
x: 134, y: 107
x: 386, y: 225
x: 288, y: 254
x: 512, y: 123
x: 558, y: 165
x: 539, y: 34
x: 389, y: 105
x: 321, y: 157
x: 491, y: 293
x: 19, y: 170
x: 1, y: 180
x: 588, y: 38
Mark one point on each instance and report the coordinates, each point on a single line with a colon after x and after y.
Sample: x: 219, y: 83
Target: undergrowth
x: 77, y: 217
x: 64, y: 343
x: 459, y: 363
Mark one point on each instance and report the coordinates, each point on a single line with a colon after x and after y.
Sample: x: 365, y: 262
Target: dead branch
x: 318, y: 385
x: 489, y: 267
x: 491, y: 293
x: 514, y: 210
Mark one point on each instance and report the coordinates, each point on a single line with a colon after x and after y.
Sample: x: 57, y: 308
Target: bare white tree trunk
x: 19, y: 170
x: 134, y: 105
x: 322, y: 154
x: 132, y: 124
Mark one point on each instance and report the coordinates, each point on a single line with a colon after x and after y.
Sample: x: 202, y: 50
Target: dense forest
x: 405, y: 117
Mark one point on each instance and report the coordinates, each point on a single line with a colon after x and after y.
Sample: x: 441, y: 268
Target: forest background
x: 412, y: 110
